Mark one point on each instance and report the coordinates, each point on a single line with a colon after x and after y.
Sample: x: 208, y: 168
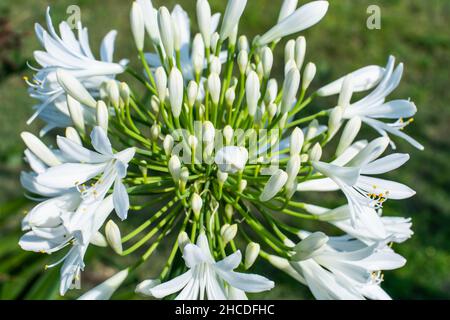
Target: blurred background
x: 415, y: 31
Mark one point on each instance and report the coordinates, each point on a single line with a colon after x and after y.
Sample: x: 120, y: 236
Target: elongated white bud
x: 215, y: 65
x: 214, y: 87
x: 287, y: 8
x: 346, y: 92
x: 198, y: 54
x: 204, y: 20
x: 137, y: 25
x: 349, y: 134
x: 124, y: 91
x: 161, y: 83
x: 288, y: 66
x: 293, y: 167
x: 231, y: 18
x: 274, y: 185
x: 229, y: 232
x: 175, y: 167
x: 300, y: 51
x: 183, y: 240
x: 112, y: 90
x: 73, y: 135
x: 272, y: 110
x: 290, y: 88
x: 113, y: 236
x: 230, y: 96
x: 272, y: 91
x: 150, y: 16
x: 102, y: 115
x: 228, y: 133
x: 74, y: 88
x: 99, y: 240
x: 315, y: 153
x: 289, y: 51
x: 251, y: 253
x: 308, y: 75
x: 39, y: 149
x: 231, y: 159
x: 176, y: 34
x: 242, y: 185
x: 267, y: 61
x: 335, y: 120
x: 252, y: 94
x: 222, y: 177
x: 301, y: 19
x: 166, y: 31
x: 192, y: 92
x: 296, y: 141
x: 229, y: 211
x: 168, y: 144
x: 196, y: 205
x: 76, y: 113
x: 243, y: 44
x: 155, y: 131
x: 176, y: 91
x: 242, y: 61
x: 154, y: 104
x: 309, y: 246
x: 106, y: 289
x: 209, y: 132
x: 214, y: 41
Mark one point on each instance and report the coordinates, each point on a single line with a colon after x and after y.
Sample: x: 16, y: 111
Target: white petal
x: 385, y: 164
x: 100, y: 141
x: 121, y: 200
x: 78, y: 153
x: 172, y: 286
x: 390, y: 189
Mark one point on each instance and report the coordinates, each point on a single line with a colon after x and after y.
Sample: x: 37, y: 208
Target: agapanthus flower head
x: 215, y: 156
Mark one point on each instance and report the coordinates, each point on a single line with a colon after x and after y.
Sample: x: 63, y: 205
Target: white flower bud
x: 301, y: 19
x: 168, y: 144
x: 76, y: 113
x: 272, y: 109
x: 290, y: 88
x: 198, y: 54
x: 274, y: 185
x: 113, y: 236
x: 204, y: 20
x: 154, y: 104
x: 291, y: 188
x: 233, y: 37
x: 251, y: 253
x: 39, y: 149
x: 98, y: 239
x: 228, y: 134
x: 289, y: 51
x: 243, y: 44
x: 288, y: 66
x: 315, y: 153
x: 272, y: 91
x: 176, y: 91
x: 309, y: 246
x: 106, y: 289
x: 296, y: 141
x: 267, y: 61
x: 283, y: 121
x: 112, y: 90
x: 349, y: 134
x: 196, y: 205
x: 229, y: 211
x: 175, y: 167
x: 214, y: 87
x: 124, y: 92
x: 184, y: 178
x: 193, y: 142
x: 228, y: 233
x: 300, y: 51
x: 183, y: 240
x: 150, y: 16
x: 102, y: 115
x: 137, y: 25
x: 242, y: 61
x: 222, y: 177
x: 308, y: 75
x: 73, y: 135
x: 166, y: 31
x: 214, y: 41
x: 192, y: 92
x: 155, y: 131
x: 209, y: 132
x: 215, y: 65
x: 293, y: 167
x: 335, y: 120
x: 231, y: 159
x: 161, y: 83
x: 231, y: 18
x: 252, y: 87
x: 176, y: 34
x: 287, y: 8
x: 230, y: 96
x: 242, y: 185
x: 346, y: 93
x: 74, y: 88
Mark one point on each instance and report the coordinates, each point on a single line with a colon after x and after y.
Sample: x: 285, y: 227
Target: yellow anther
x: 25, y: 78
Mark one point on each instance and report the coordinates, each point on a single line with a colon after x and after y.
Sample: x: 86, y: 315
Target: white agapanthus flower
x: 71, y: 52
x: 206, y: 278
x: 215, y: 150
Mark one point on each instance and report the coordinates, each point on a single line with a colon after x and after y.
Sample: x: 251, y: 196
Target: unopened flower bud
x: 272, y: 109
x: 214, y: 87
x: 112, y: 89
x: 243, y: 44
x: 272, y: 91
x: 267, y: 61
x: 231, y: 18
x: 221, y: 177
x: 251, y: 253
x: 155, y: 131
x: 183, y: 240
x: 229, y: 232
x: 300, y: 51
x: 310, y: 245
x: 346, y: 92
x: 308, y: 75
x: 196, y: 205
x: 99, y: 240
x: 76, y: 113
x: 113, y: 236
x: 229, y: 211
x: 176, y: 91
x: 290, y: 88
x: 209, y: 132
x: 228, y: 134
x: 192, y: 93
x: 73, y: 135
x: 252, y: 92
x: 293, y: 167
x: 39, y: 149
x: 175, y: 167
x: 204, y: 20
x: 154, y: 104
x: 274, y: 185
x: 287, y: 8
x: 102, y: 115
x: 335, y: 120
x: 349, y: 134
x: 296, y: 141
x: 166, y: 31
x: 315, y: 153
x: 161, y: 83
x: 124, y: 92
x: 73, y: 87
x: 231, y: 159
x: 230, y: 95
x: 198, y: 54
x: 215, y: 65
x: 137, y: 25
x: 214, y: 41
x: 289, y: 51
x: 242, y: 185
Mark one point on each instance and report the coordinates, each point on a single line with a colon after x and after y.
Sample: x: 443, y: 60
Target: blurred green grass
x: 415, y: 31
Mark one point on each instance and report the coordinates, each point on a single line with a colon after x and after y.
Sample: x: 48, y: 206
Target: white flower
x: 304, y: 17
x: 344, y: 274
x: 105, y: 290
x: 89, y: 164
x: 137, y: 25
x: 287, y: 8
x: 207, y: 278
x: 231, y: 159
x: 75, y: 57
x: 233, y: 13
x: 373, y: 106
x: 349, y: 174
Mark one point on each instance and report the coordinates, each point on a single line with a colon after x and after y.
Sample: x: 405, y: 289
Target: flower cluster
x: 216, y: 153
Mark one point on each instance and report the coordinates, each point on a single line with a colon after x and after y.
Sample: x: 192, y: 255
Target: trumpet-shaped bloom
x: 207, y: 278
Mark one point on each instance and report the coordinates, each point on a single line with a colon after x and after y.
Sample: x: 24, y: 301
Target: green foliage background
x: 415, y: 31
